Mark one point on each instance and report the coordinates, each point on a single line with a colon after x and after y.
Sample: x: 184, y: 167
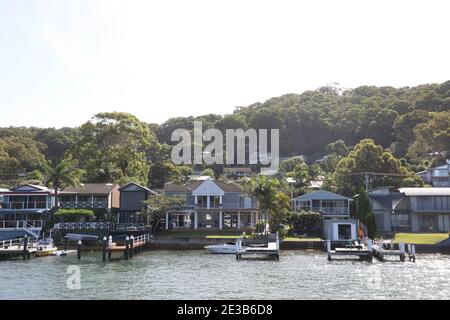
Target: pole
x: 104, y: 249
x: 79, y: 250
x: 131, y: 246
x: 66, y: 238
x: 127, y: 245
x: 25, y: 246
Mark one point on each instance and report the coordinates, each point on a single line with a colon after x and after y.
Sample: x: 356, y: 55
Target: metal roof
x: 322, y: 195
x: 425, y: 191
x: 90, y: 188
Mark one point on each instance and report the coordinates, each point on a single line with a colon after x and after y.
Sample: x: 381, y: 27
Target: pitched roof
x: 91, y: 188
x: 133, y: 186
x: 30, y: 188
x: 425, y: 191
x: 192, y: 185
x: 321, y: 195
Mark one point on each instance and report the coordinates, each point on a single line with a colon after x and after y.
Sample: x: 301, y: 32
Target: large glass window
x: 214, y: 201
x: 303, y: 205
x: 208, y: 220
x: 202, y: 201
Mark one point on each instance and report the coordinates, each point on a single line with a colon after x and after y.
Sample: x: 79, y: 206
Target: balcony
x: 20, y: 224
x: 84, y: 204
x: 204, y: 206
x: 23, y: 205
x: 332, y: 211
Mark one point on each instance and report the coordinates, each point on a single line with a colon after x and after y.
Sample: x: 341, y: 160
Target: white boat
x: 45, y: 247
x: 226, y: 248
x: 82, y: 237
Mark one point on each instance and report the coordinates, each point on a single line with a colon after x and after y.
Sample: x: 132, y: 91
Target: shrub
x: 304, y: 222
x: 74, y: 215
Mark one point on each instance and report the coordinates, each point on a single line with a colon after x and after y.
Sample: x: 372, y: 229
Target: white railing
x: 142, y: 238
x: 81, y: 225
x: 332, y: 210
x: 24, y: 205
x: 20, y: 224
x: 19, y: 242
x: 86, y: 204
x: 128, y: 226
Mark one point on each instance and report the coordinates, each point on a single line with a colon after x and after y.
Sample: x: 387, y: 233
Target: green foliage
x: 408, y: 122
x: 432, y: 136
x: 337, y: 148
x: 365, y: 214
x: 114, y: 146
x: 158, y: 205
x: 208, y: 172
x: 304, y: 222
x: 368, y: 157
x: 74, y: 215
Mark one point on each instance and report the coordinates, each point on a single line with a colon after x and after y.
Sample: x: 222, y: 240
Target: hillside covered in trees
x: 410, y: 129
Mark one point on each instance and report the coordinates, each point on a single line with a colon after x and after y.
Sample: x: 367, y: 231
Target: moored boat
x: 226, y: 248
x: 45, y: 247
x: 82, y: 237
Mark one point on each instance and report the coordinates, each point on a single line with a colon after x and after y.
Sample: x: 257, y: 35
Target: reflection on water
x: 199, y: 275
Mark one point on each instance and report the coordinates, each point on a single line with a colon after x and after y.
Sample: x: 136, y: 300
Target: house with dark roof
x: 23, y: 210
x: 437, y: 176
x: 212, y: 204
x: 132, y: 197
x: 335, y: 213
x: 411, y: 209
x: 90, y: 195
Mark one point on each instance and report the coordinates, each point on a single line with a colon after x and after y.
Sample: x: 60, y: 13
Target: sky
x: 63, y: 61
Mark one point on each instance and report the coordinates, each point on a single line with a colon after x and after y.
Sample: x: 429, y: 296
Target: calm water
x: 199, y: 275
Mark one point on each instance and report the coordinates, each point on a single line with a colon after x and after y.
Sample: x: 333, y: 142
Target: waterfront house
x: 411, y: 209
x: 132, y: 197
x: 437, y: 176
x: 211, y: 204
x: 91, y: 196
x: 24, y: 209
x: 334, y: 210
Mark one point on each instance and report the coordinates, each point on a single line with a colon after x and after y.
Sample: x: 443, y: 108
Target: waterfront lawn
x: 200, y: 234
x: 420, y: 238
x: 302, y: 239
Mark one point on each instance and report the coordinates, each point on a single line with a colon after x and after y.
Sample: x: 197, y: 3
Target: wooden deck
x: 271, y: 250
x: 15, y: 248
x: 133, y: 245
x: 373, y: 249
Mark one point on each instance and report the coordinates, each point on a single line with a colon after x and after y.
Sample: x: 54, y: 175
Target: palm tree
x: 64, y: 174
x: 266, y: 191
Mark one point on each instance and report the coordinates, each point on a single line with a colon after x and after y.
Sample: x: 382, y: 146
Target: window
x: 400, y: 220
x: 202, y: 201
x: 303, y: 205
x: 245, y: 201
x: 214, y: 201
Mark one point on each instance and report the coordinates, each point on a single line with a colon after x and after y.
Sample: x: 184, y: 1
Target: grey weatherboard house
x: 335, y: 211
x: 212, y: 204
x: 132, y: 196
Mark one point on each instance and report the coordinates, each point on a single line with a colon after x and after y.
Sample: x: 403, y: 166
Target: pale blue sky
x: 62, y: 61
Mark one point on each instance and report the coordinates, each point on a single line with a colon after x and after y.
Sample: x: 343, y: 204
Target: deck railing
x: 20, y: 224
x: 83, y: 204
x: 128, y: 226
x: 332, y: 210
x: 81, y: 225
x: 18, y: 242
x: 24, y: 205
